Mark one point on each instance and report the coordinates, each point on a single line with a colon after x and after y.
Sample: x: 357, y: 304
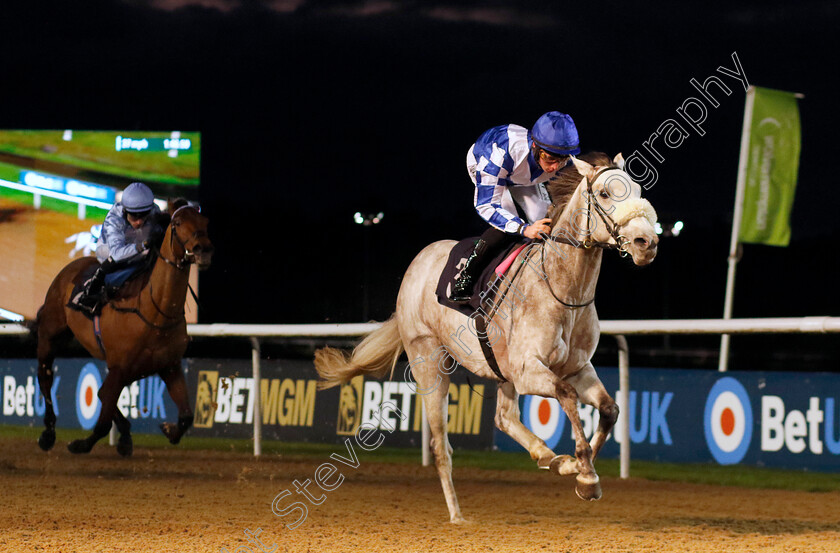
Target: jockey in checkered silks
x: 130, y: 228
x: 509, y: 165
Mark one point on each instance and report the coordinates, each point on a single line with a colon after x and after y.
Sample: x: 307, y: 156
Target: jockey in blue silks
x: 130, y: 227
x: 508, y: 165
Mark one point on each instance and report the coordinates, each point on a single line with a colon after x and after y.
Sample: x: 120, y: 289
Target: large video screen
x: 56, y: 186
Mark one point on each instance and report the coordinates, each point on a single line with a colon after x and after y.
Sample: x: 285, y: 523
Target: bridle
x: 180, y: 264
x: 622, y: 243
x: 189, y: 256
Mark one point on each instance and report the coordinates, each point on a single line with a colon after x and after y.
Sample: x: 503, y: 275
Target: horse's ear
x: 583, y: 168
x: 619, y: 161
x: 177, y: 204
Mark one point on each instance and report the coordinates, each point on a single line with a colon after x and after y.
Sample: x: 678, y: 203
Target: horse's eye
x: 604, y: 194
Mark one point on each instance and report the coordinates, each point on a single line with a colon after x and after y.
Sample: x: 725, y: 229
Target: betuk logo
x: 545, y: 418
x: 728, y: 421
x: 87, y: 402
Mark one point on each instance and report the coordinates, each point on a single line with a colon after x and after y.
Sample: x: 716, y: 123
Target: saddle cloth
x: 113, y: 283
x: 457, y: 259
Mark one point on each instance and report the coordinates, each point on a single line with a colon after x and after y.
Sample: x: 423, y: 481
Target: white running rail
x: 619, y: 329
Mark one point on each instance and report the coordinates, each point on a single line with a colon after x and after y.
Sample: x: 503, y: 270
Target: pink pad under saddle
x: 505, y: 265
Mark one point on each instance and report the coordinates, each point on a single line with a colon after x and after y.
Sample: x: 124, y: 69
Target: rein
x: 179, y: 264
x: 548, y: 281
x: 188, y: 257
x: 621, y: 241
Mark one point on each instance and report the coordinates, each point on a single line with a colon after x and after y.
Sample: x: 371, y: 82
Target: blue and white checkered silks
x: 502, y: 168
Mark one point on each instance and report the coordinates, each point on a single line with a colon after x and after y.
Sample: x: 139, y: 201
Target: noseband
x: 189, y: 256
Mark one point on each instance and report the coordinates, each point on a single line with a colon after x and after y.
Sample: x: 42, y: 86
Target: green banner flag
x: 771, y: 169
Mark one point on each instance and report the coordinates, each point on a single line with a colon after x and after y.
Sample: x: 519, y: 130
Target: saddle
x: 121, y: 284
x: 478, y: 303
x: 457, y: 259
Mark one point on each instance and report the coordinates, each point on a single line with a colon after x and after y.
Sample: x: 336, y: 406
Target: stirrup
x: 87, y: 304
x: 461, y: 294
x: 464, y: 286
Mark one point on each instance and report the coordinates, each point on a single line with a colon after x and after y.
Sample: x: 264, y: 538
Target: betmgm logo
x: 728, y: 421
x: 205, y: 398
x: 350, y: 407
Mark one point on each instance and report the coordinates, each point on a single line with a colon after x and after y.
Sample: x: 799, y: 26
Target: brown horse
x: 141, y: 335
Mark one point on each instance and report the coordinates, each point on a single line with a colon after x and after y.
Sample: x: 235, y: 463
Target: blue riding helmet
x: 137, y: 198
x: 555, y: 132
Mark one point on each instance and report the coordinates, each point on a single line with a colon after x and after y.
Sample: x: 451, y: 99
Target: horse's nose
x: 642, y: 243
x: 203, y: 250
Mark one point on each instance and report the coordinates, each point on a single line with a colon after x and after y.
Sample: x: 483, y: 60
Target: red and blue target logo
x: 728, y: 421
x: 545, y: 418
x: 87, y: 402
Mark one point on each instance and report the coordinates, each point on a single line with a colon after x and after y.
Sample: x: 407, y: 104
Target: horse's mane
x: 176, y: 204
x: 562, y: 186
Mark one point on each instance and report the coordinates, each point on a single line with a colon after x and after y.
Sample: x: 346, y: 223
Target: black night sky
x: 313, y: 110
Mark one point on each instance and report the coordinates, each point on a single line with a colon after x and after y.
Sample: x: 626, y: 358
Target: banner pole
x: 723, y: 360
x: 255, y: 366
x: 425, y: 439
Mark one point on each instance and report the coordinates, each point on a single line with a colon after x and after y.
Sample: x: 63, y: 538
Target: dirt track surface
x: 175, y: 500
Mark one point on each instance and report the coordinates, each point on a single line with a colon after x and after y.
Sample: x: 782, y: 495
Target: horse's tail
x: 33, y: 324
x: 375, y: 355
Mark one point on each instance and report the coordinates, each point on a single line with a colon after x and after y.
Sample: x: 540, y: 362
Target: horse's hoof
x: 125, y: 447
x: 47, y: 440
x: 170, y: 430
x: 563, y: 465
x: 79, y: 446
x: 588, y: 488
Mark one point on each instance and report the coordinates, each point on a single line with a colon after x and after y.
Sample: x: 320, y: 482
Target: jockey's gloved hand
x: 534, y: 230
x: 144, y: 246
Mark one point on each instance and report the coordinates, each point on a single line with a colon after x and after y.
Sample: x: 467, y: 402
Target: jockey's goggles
x: 140, y: 215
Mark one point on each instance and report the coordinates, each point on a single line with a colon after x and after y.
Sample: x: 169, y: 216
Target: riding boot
x: 462, y: 290
x: 92, y: 294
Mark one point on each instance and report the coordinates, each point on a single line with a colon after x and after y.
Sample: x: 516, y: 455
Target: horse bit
x: 189, y: 256
x: 621, y: 241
